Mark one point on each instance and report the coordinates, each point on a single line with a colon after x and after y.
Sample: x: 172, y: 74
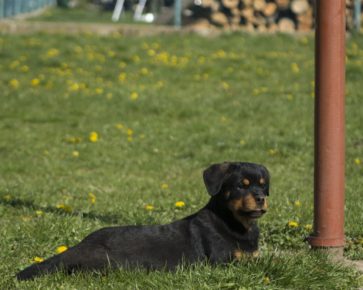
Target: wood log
x: 261, y: 28
x: 262, y: 15
x: 247, y: 3
x: 299, y: 6
x: 270, y: 9
x: 283, y: 4
x: 209, y: 3
x: 249, y: 27
x: 286, y: 25
x: 230, y: 4
x: 258, y: 20
x: 235, y: 20
x: 305, y: 20
x: 200, y: 23
x: 273, y: 27
x: 248, y: 13
x: 259, y: 5
x: 219, y: 19
x: 236, y: 12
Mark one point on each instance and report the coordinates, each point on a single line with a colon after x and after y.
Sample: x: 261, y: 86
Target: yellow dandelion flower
x: 99, y: 91
x: 136, y: 58
x: 164, y: 186
x: 122, y: 64
x: 39, y: 213
x: 7, y: 197
x: 266, y: 280
x: 144, y: 71
x: 93, y: 137
x: 130, y: 139
x: 74, y: 87
x: 14, y: 83
x: 297, y: 203
x: 304, y: 40
x: 24, y: 68
x: 37, y: 259
x: 53, y: 52
x: 180, y: 204
x: 122, y: 77
x: 119, y: 126
x: 35, y: 82
x: 293, y: 224
x: 61, y: 249
x: 221, y: 53
x: 357, y: 161
x: 149, y: 207
x: 75, y: 153
x: 111, y: 53
x: 130, y: 132
x: 151, y: 52
x: 242, y: 142
x: 201, y: 60
x: 92, y: 198
x: 308, y: 227
x: 14, y: 64
x: 295, y: 68
x: 134, y: 96
x: 64, y: 207
x: 225, y: 85
x: 272, y: 152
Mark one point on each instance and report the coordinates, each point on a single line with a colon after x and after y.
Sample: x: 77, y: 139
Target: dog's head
x: 241, y: 187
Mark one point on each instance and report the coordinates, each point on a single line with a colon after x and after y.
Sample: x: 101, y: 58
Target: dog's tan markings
x: 255, y: 254
x: 246, y: 182
x: 265, y: 206
x: 236, y: 204
x: 247, y: 203
x: 262, y: 180
x: 250, y: 203
x: 238, y: 254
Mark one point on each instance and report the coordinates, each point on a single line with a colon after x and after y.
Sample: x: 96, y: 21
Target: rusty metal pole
x: 329, y: 126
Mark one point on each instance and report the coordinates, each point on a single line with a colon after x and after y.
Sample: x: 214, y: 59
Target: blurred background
x: 251, y: 15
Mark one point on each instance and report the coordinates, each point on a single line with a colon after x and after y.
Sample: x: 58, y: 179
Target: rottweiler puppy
x: 225, y: 229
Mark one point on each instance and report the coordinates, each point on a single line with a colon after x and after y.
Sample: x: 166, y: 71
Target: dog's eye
x: 244, y: 184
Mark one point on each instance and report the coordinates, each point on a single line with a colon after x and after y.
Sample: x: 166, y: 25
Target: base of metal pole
x: 335, y: 255
x: 319, y: 242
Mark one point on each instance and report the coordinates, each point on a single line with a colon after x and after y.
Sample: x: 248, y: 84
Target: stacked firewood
x: 262, y: 15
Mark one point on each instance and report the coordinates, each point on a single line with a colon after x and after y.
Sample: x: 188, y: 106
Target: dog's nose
x: 260, y: 199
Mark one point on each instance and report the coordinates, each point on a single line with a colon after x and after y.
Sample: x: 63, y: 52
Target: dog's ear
x: 214, y: 177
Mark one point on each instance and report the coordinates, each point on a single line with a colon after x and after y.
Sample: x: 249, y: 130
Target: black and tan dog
x: 223, y: 230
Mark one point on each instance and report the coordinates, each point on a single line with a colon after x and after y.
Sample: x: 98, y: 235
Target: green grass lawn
x: 100, y: 131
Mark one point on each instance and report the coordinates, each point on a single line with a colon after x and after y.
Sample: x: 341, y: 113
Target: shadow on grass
x: 19, y: 203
